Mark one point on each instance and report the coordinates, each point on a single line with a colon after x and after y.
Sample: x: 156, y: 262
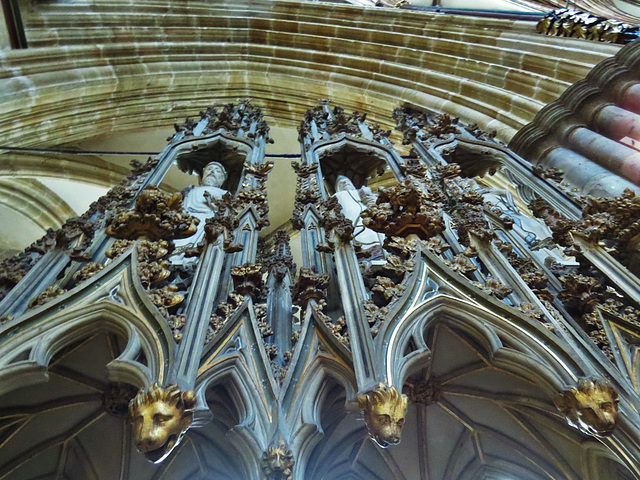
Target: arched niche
x: 476, y: 414
x: 73, y: 426
x: 356, y: 159
x: 221, y: 446
x: 233, y: 423
x: 344, y: 451
x: 194, y: 154
x: 29, y: 349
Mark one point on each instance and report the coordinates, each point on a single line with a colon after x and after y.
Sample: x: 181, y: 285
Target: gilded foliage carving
x: 310, y: 286
x: 160, y: 417
x: 461, y: 263
x: 247, y: 279
x: 591, y: 406
x: 384, y: 290
x: 223, y: 312
x: 586, y: 296
x: 166, y: 297
x: 494, y: 287
x: 405, y: 209
x: 155, y: 216
x: 338, y: 328
x: 375, y: 316
x: 50, y: 293
x: 119, y: 247
x: 384, y: 410
x: 87, y: 271
x: 176, y: 324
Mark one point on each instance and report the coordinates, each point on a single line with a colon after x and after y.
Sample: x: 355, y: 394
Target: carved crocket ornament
x: 160, y: 417
x: 591, y: 406
x: 277, y: 462
x: 384, y: 410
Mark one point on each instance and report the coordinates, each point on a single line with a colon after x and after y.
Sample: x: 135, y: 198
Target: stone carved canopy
x: 433, y: 326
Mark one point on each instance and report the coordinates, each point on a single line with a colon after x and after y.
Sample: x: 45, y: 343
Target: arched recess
x: 355, y: 158
x: 332, y: 440
x: 26, y: 354
x: 193, y: 153
x: 74, y: 425
x: 233, y: 421
x: 491, y: 389
x: 532, y: 349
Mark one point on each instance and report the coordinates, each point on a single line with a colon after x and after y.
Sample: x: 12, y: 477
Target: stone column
x: 582, y: 173
x: 608, y: 153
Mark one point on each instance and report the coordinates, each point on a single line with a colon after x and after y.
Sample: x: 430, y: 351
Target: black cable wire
x: 104, y: 152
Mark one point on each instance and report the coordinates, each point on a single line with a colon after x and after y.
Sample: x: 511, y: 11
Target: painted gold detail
x: 384, y: 412
x: 591, y: 406
x: 277, y: 462
x: 160, y: 417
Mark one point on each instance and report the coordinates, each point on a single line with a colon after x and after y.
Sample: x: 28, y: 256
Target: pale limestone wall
x: 103, y: 66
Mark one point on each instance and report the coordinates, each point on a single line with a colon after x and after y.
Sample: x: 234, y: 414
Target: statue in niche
x: 200, y: 202
x: 353, y: 203
x: 535, y: 234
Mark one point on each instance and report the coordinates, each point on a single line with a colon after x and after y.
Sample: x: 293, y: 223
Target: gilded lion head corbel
x: 591, y: 406
x: 277, y: 462
x: 384, y: 410
x: 160, y: 417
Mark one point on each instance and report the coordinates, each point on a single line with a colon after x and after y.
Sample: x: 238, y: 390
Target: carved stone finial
x: 591, y: 406
x: 160, y: 417
x: 384, y: 411
x: 277, y: 462
x: 310, y: 286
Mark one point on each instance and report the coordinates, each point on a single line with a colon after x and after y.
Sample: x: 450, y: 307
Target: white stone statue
x: 534, y: 233
x: 200, y: 202
x: 353, y: 203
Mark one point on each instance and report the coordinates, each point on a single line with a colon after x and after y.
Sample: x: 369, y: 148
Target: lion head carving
x: 160, y: 416
x: 591, y: 407
x: 277, y: 462
x: 384, y: 410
